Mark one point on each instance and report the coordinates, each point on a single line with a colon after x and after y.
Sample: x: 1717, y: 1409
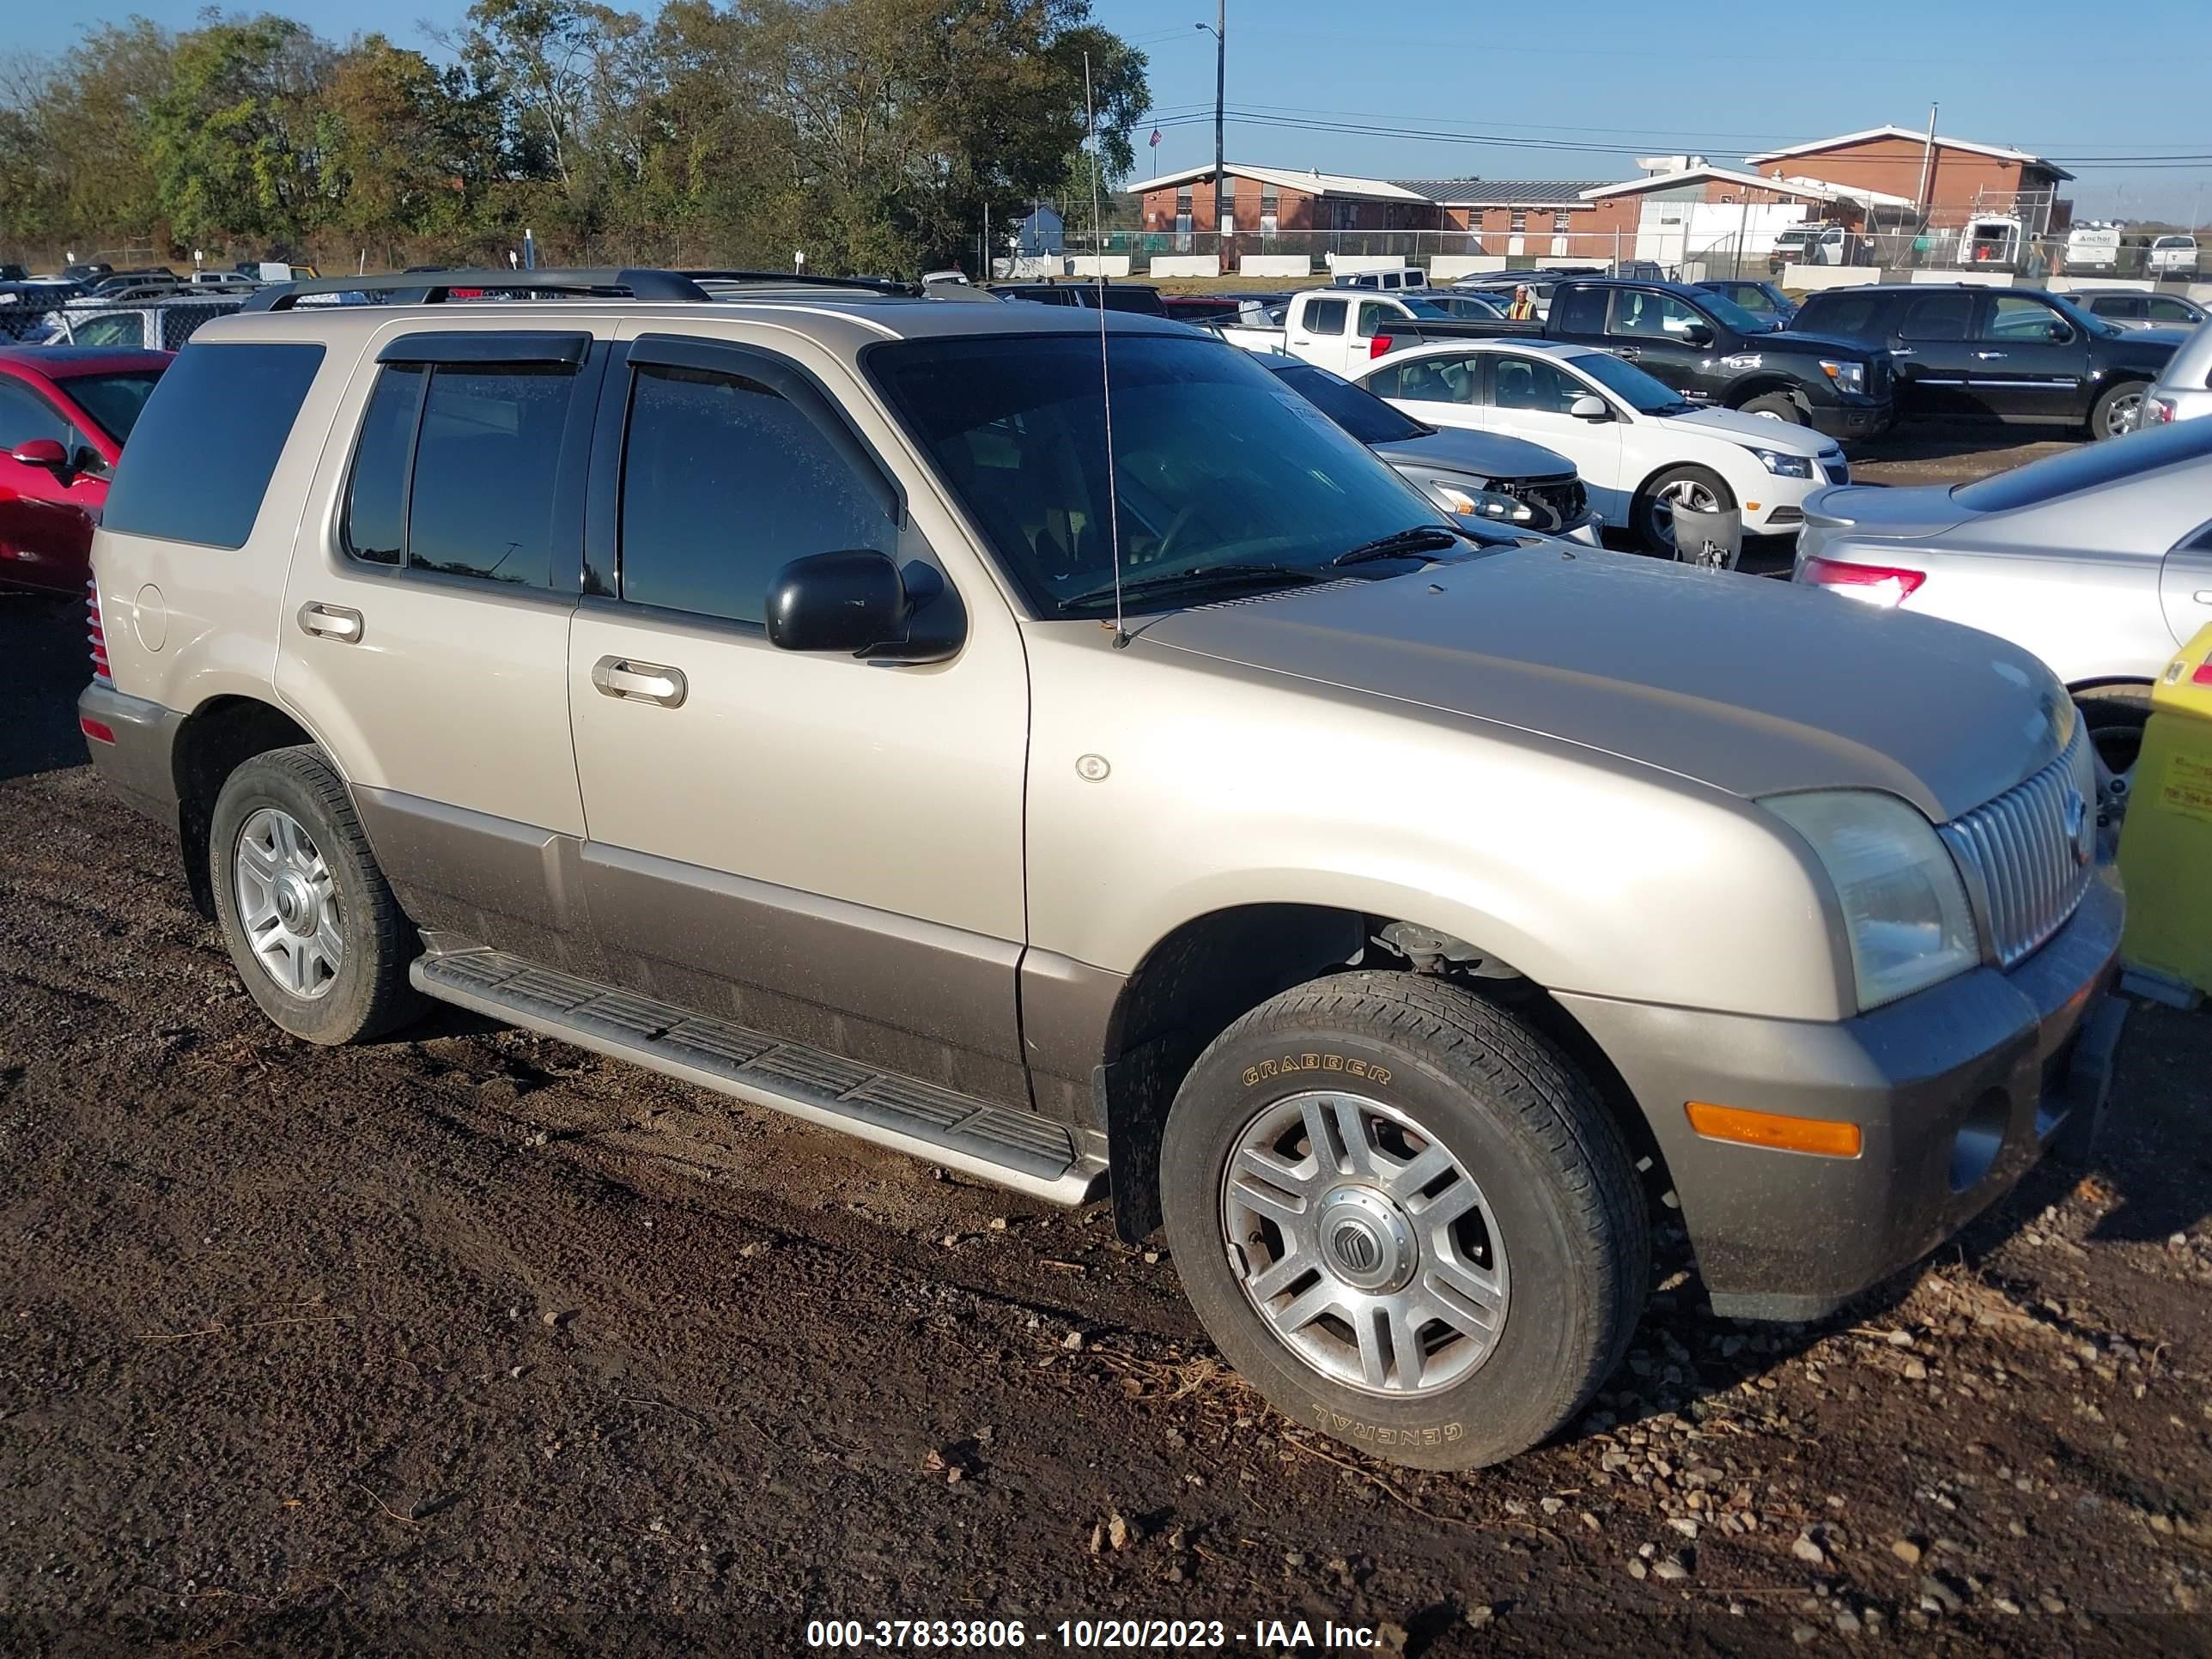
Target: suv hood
x: 1912, y: 513
x: 1834, y: 345
x: 1753, y: 687
x: 2147, y: 347
x: 1485, y: 454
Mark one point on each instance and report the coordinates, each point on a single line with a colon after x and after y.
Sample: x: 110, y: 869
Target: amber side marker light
x: 1772, y: 1129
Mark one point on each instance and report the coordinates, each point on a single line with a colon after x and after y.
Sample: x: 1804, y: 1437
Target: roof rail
x: 421, y: 288
x: 796, y: 279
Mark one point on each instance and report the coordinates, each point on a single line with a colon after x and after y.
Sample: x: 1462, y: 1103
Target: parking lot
x: 473, y: 1339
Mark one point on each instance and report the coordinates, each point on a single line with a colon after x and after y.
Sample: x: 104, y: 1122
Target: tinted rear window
x: 201, y: 455
x: 2087, y: 467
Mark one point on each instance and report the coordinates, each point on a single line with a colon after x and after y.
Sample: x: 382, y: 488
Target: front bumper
x: 136, y: 758
x: 1958, y: 1092
x: 1861, y: 418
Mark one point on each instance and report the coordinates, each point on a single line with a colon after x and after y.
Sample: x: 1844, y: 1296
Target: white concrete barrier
x: 1089, y: 264
x: 1811, y: 279
x: 1450, y: 267
x: 1270, y: 264
x: 1980, y: 279
x: 2068, y: 284
x: 1186, y: 264
x: 2200, y: 292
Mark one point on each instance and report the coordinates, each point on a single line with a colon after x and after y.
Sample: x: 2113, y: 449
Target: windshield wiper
x: 1401, y: 545
x: 1209, y: 577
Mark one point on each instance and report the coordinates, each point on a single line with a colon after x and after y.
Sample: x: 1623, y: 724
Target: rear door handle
x: 1987, y: 356
x: 331, y: 621
x: 1901, y: 351
x: 640, y: 682
x: 1631, y: 353
x: 2202, y: 596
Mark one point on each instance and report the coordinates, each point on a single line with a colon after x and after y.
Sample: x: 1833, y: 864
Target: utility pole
x: 1927, y: 165
x: 1219, y: 29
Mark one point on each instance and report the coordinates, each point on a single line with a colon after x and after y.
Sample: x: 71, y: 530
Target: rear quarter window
x: 1852, y: 315
x: 200, y: 459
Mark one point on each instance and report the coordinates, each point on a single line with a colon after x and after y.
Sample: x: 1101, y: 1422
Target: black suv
x: 1708, y: 348
x: 2016, y: 354
x: 1120, y: 296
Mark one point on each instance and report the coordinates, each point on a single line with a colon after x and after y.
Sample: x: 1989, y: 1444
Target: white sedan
x: 1640, y: 448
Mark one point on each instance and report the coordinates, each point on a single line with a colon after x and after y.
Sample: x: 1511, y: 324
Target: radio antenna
x: 1105, y: 377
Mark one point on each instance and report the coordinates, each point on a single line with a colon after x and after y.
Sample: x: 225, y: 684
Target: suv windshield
x: 1640, y: 390
x: 113, y: 400
x: 1216, y: 463
x: 1357, y: 410
x: 2087, y: 467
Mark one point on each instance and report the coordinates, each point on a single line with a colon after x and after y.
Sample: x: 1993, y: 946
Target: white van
x: 2093, y: 246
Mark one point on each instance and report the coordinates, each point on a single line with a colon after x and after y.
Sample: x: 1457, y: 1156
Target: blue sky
x: 1622, y: 79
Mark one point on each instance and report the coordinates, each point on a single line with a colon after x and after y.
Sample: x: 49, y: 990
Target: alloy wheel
x: 1364, y: 1245
x: 2123, y: 415
x: 288, y: 904
x: 1683, y: 492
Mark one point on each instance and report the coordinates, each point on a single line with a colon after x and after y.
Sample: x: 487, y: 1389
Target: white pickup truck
x: 1335, y: 328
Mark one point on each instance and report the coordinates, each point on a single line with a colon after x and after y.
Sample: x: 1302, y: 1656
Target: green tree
x: 234, y: 136
x: 404, y: 148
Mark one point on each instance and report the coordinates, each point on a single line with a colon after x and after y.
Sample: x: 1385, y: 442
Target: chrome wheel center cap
x: 1367, y: 1240
x: 295, y: 904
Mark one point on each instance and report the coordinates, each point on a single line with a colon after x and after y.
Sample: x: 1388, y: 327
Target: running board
x: 1016, y: 1149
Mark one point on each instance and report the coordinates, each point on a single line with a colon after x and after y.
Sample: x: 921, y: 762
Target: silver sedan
x: 2100, y: 561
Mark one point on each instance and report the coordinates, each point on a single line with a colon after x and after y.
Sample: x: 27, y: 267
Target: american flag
x: 1156, y: 137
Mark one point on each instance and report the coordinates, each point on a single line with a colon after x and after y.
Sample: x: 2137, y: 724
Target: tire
x: 2116, y: 715
x: 345, y: 975
x: 1776, y: 406
x: 1654, y: 526
x: 2118, y: 411
x: 1431, y: 1072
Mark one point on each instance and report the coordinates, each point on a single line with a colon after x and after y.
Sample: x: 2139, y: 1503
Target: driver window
x: 2015, y: 316
x: 1650, y: 315
x: 1372, y: 314
x: 1538, y: 387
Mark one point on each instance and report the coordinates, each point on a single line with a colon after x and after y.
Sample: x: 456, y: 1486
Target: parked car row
x: 1174, y: 806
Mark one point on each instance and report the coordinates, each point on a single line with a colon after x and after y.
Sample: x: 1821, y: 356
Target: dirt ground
x: 472, y: 1342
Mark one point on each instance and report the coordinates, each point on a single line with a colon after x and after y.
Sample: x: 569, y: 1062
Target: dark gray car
x: 1483, y: 475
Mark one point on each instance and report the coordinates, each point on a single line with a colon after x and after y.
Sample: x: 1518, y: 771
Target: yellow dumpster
x: 2166, y: 841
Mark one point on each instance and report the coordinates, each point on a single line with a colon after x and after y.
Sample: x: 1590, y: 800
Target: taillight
x: 1378, y: 346
x: 2158, y: 411
x: 1872, y: 584
x: 95, y: 633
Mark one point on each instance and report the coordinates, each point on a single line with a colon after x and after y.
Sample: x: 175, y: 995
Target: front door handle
x: 1631, y: 353
x: 2202, y: 596
x: 1902, y: 351
x: 331, y: 621
x: 640, y: 682
x: 1987, y: 356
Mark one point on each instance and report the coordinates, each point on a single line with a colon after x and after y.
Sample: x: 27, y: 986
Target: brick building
x: 1266, y: 200
x: 1949, y: 179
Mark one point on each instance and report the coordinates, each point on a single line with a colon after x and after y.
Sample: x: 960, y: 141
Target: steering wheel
x: 1175, y: 528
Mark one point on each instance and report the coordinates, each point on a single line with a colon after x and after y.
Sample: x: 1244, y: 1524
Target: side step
x: 1016, y: 1149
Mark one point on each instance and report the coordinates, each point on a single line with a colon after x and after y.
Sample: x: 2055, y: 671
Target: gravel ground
x: 474, y: 1342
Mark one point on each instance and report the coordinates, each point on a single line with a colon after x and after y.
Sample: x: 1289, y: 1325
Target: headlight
x: 1483, y: 503
x: 1785, y: 467
x: 1848, y: 377
x: 1905, y: 907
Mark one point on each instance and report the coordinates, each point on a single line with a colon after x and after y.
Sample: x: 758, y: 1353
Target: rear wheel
x: 310, y: 921
x: 2115, y: 716
x: 2119, y: 411
x: 1697, y: 488
x: 1405, y: 1218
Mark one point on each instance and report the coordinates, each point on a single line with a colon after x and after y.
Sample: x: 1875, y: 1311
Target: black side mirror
x: 2061, y: 332
x: 857, y: 603
x: 1697, y: 334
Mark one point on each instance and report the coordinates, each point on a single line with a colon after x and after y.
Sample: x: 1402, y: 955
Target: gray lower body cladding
x: 1958, y: 1092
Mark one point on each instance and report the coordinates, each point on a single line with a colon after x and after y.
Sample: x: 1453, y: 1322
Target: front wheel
x: 1697, y: 488
x: 1406, y: 1217
x: 2119, y: 411
x: 1778, y: 406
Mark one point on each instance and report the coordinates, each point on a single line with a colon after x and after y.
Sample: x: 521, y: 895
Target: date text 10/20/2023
x: 1123, y: 1634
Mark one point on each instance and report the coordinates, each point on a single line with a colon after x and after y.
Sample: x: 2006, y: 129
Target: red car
x: 64, y: 412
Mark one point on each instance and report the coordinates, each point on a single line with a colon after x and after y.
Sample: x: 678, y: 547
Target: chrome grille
x: 2026, y: 855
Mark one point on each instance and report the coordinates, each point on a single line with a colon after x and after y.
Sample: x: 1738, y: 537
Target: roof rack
x: 420, y: 288
x: 795, y: 279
